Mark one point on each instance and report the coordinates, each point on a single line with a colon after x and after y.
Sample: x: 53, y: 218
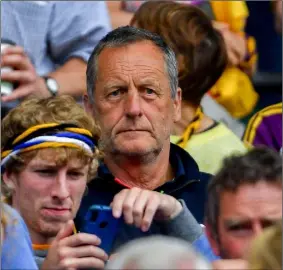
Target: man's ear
x: 88, y: 105
x: 177, y: 105
x: 9, y: 180
x: 213, y: 242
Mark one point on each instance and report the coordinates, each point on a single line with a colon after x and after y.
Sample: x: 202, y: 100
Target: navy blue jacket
x: 189, y: 184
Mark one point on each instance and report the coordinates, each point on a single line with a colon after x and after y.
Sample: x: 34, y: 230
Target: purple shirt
x: 265, y: 128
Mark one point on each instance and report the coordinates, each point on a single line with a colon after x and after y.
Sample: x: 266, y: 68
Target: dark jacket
x: 188, y: 185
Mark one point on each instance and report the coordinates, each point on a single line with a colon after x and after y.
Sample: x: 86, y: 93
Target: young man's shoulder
x: 16, y: 243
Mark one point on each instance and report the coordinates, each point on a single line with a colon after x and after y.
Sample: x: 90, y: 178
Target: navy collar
x: 185, y: 168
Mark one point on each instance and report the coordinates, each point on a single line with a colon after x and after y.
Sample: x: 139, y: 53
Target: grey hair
x: 124, y: 36
x: 157, y: 252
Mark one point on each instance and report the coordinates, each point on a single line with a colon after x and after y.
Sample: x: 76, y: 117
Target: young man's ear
x: 9, y: 180
x: 213, y: 242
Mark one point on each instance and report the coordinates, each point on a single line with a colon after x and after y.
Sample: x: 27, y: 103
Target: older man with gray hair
x: 133, y: 94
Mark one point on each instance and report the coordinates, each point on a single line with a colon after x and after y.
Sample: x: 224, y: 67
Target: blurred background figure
x: 157, y: 252
x: 119, y: 15
x: 45, y: 46
x: 202, y: 58
x: 277, y: 9
x: 263, y: 23
x: 266, y: 250
x: 265, y: 128
x: 244, y: 198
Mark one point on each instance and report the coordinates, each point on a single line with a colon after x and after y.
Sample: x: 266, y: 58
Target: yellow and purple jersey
x: 265, y: 128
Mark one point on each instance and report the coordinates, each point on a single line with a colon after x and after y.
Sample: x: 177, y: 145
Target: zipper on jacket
x: 186, y: 184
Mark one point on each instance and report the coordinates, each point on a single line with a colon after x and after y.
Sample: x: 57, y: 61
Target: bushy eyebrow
x: 42, y: 165
x: 236, y: 222
x: 113, y: 84
x: 77, y: 167
x: 54, y: 166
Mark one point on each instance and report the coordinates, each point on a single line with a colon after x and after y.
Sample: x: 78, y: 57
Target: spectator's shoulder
x: 205, y: 177
x: 10, y: 213
x: 14, y: 222
x: 17, y: 243
x: 261, y: 118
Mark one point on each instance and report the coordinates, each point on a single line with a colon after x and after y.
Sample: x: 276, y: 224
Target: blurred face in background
x: 244, y: 214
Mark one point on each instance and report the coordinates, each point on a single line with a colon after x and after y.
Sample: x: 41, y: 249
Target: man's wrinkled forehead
x: 140, y: 57
x: 262, y: 200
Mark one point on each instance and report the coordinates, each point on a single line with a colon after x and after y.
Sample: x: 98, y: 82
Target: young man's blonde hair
x: 35, y: 111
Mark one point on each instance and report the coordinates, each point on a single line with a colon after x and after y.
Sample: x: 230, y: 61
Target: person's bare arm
x: 277, y: 9
x: 71, y: 77
x: 235, y: 43
x: 241, y: 50
x: 118, y: 16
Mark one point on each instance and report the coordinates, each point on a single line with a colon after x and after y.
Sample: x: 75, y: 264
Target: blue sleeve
x: 17, y: 250
x: 76, y: 28
x: 203, y: 247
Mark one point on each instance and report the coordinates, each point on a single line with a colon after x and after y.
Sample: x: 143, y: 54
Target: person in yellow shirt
x: 202, y: 58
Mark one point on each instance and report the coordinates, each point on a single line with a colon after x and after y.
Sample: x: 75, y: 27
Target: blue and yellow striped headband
x: 49, y: 135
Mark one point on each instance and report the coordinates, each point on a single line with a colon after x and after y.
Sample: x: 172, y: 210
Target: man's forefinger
x: 117, y: 203
x: 13, y: 50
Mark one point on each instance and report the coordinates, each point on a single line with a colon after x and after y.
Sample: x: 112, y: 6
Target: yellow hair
x: 266, y: 250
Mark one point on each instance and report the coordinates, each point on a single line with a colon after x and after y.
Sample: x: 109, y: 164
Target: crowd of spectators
x: 163, y: 116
